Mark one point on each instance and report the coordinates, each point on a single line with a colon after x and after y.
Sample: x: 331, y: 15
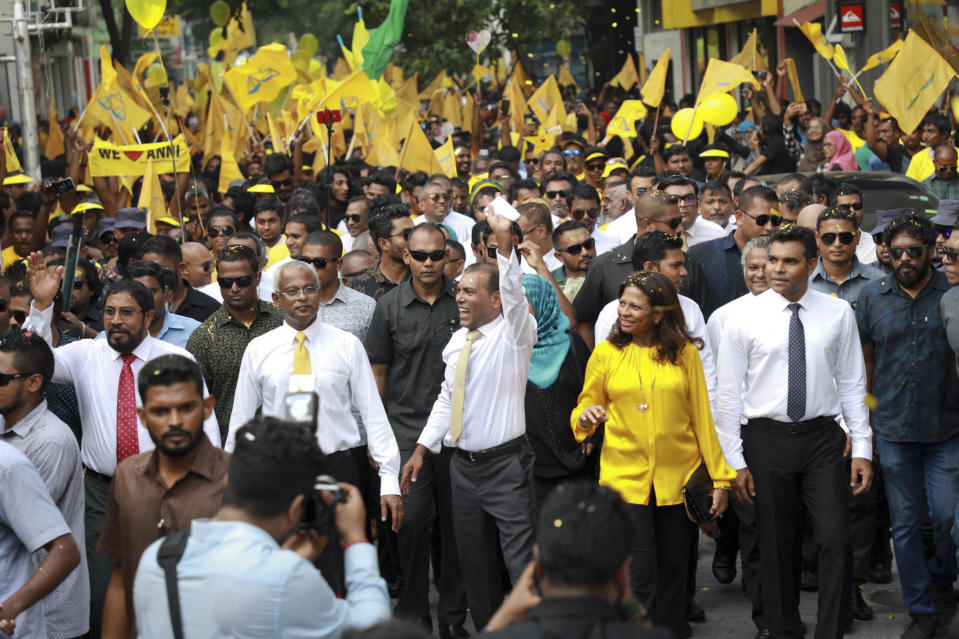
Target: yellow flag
x: 279, y: 143
x: 13, y: 163
x: 262, y: 78
x: 360, y: 38
x: 113, y: 106
x: 913, y: 82
x: 655, y: 87
x: 229, y: 169
x: 55, y: 147
x: 355, y: 89
x: 541, y: 142
x: 627, y: 76
x: 341, y: 70
x: 514, y: 93
x: 434, y: 86
x: 240, y: 34
x: 721, y: 77
x: 108, y: 75
x: 408, y: 90
x: 748, y: 58
x: 417, y: 154
x: 544, y: 99
x: 566, y: 78
x: 813, y: 32
x: 151, y: 197
x: 884, y: 56
x: 184, y: 101
x: 142, y: 63
x: 839, y: 58
x: 622, y: 123
x: 445, y: 158
x: 133, y: 159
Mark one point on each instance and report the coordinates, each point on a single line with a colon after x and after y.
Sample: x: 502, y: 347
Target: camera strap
x: 168, y: 556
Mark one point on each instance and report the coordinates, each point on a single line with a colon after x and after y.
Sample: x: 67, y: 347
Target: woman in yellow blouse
x: 646, y: 383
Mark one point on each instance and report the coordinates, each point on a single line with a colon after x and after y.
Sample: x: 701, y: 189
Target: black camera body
x: 317, y: 514
x: 61, y: 187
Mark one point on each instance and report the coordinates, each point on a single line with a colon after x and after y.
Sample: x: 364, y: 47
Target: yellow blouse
x: 662, y: 446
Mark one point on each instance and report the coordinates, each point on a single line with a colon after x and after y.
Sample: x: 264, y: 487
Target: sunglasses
x: 595, y: 167
x: 217, y: 231
x: 575, y: 249
x: 673, y: 223
x: 317, y: 262
x: 405, y: 233
x: 286, y: 182
x: 944, y: 231
x: 207, y: 267
x: 914, y: 252
x: 4, y: 305
x: 6, y: 378
x: 578, y: 214
x: 242, y: 282
x: 19, y: 316
x: 422, y: 256
x: 356, y: 219
x: 949, y: 255
x: 766, y: 218
x: 572, y: 153
x: 108, y: 239
x: 439, y: 197
x: 855, y: 206
x: 553, y: 194
x: 78, y: 284
x: 532, y: 161
x: 830, y: 238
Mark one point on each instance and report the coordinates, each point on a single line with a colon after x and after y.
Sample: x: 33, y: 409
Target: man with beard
x: 916, y: 418
x: 389, y: 228
x: 279, y: 170
x: 102, y: 373
x: 575, y: 249
x: 163, y: 490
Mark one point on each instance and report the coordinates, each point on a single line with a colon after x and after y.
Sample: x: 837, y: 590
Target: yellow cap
x: 613, y: 165
x: 83, y: 188
x: 86, y: 206
x: 261, y: 188
x: 714, y: 153
x: 594, y: 155
x: 19, y: 178
x: 168, y: 220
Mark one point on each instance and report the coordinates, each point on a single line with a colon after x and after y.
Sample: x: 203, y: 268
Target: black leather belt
x: 95, y: 475
x: 792, y: 428
x: 506, y: 448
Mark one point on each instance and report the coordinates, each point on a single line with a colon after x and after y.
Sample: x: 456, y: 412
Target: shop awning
x: 806, y: 14
x: 681, y: 15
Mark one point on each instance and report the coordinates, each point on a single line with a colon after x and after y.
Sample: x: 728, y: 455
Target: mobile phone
x: 504, y: 106
x: 62, y: 186
x: 759, y: 75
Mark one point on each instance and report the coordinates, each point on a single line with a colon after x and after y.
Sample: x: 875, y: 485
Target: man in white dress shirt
x: 103, y: 374
x: 696, y: 229
x: 480, y: 411
x: 789, y: 364
x: 434, y: 205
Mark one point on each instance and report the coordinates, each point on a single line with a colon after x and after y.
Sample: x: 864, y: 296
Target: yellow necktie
x: 685, y: 236
x: 459, y: 386
x: 301, y: 357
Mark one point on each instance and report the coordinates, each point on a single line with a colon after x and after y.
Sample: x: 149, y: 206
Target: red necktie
x: 128, y: 443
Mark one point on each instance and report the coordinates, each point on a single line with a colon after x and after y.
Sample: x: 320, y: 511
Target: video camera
x: 317, y: 514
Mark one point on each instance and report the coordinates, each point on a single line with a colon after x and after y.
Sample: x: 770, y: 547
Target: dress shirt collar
x: 776, y: 300
x: 224, y: 317
x: 890, y: 285
x: 408, y: 295
x: 575, y: 607
x: 489, y: 327
x: 729, y: 243
x: 858, y: 270
x: 32, y: 419
x: 312, y: 332
x: 149, y: 465
x: 142, y: 351
x: 223, y: 531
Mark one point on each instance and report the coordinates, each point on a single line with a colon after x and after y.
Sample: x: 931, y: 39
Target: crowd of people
x: 293, y: 406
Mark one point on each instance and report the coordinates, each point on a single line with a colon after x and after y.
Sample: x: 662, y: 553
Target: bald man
x: 945, y: 181
x: 197, y: 264
x: 809, y: 215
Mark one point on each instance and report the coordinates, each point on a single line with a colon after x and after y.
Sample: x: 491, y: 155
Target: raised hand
x: 44, y: 283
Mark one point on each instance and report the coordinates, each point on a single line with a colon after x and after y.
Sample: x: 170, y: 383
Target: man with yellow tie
x: 480, y: 412
x: 307, y: 354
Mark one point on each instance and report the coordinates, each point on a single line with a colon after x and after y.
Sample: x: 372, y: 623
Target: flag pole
x: 835, y: 70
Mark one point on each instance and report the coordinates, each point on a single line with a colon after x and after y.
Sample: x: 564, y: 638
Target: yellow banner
x: 109, y: 159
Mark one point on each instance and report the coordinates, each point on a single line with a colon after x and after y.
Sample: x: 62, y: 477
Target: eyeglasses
x: 914, y: 252
x: 317, y: 262
x: 216, y: 231
x: 125, y: 314
x: 554, y: 194
x: 949, y: 255
x: 207, y: 266
x: 944, y: 231
x: 673, y: 223
x: 422, y: 256
x: 766, y: 218
x: 439, y: 197
x: 78, y: 284
x: 6, y: 378
x: 107, y: 238
x: 531, y: 161
x: 242, y: 282
x: 575, y: 249
x: 356, y: 219
x: 307, y: 291
x: 830, y: 238
x: 21, y: 316
x: 855, y: 206
x: 405, y: 233
x: 572, y: 153
x: 4, y: 305
x: 286, y: 182
x: 640, y: 192
x: 687, y: 199
x: 491, y: 251
x: 596, y: 167
x: 579, y: 213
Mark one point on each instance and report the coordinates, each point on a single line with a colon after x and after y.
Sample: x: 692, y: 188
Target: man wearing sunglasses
x: 721, y: 259
x: 279, y: 170
x: 696, y: 230
x: 585, y: 207
x: 340, y: 306
x: 537, y: 227
x: 575, y: 249
x: 434, y: 206
x: 559, y: 187
x: 410, y: 328
x: 108, y: 241
x: 389, y: 228
x: 916, y: 416
x: 839, y: 272
x: 946, y: 217
x: 190, y: 262
x: 850, y: 196
x: 355, y: 222
x: 220, y: 226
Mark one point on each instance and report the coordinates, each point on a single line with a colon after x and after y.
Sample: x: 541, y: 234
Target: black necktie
x: 796, y: 399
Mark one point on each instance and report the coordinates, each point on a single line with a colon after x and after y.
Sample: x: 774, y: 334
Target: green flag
x: 383, y: 40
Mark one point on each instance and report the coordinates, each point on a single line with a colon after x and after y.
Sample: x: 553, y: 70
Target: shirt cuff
x: 360, y: 556
x: 434, y: 447
x: 736, y: 461
x: 862, y: 448
x: 389, y: 485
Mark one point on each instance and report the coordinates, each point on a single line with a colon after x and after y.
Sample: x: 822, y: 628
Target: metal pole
x: 28, y: 104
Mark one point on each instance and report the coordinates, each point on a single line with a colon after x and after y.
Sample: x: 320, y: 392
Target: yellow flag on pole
x: 544, y: 99
x: 151, y: 197
x: 884, y: 56
x: 748, y: 58
x: 445, y: 158
x: 627, y: 76
x: 913, y: 82
x: 622, y: 123
x: 55, y: 147
x: 721, y: 77
x: 417, y: 154
x: 813, y: 32
x: 566, y: 78
x: 655, y: 87
x: 13, y: 163
x: 262, y: 78
x: 229, y: 169
x: 111, y: 105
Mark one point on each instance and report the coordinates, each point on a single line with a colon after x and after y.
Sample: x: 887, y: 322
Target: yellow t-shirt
x: 278, y: 252
x: 854, y: 139
x: 921, y: 165
x: 9, y: 256
x: 659, y: 448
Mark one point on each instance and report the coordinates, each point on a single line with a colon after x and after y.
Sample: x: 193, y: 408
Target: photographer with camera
x: 249, y: 567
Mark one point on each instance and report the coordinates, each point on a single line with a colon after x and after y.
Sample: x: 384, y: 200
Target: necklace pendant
x: 642, y: 408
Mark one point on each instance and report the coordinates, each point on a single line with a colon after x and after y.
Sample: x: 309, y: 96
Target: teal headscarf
x: 552, y: 341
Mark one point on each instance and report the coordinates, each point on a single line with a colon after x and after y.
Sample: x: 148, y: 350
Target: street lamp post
x: 28, y: 103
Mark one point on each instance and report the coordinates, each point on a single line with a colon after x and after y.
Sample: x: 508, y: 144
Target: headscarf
x: 813, y: 156
x: 843, y: 160
x: 552, y: 342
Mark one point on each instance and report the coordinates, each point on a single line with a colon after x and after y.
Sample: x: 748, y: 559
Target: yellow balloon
x: 316, y: 68
x: 220, y: 13
x: 146, y: 13
x: 719, y: 109
x: 155, y: 76
x: 301, y: 60
x: 954, y: 103
x: 680, y: 124
x: 216, y: 37
x: 309, y: 43
x: 563, y: 48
